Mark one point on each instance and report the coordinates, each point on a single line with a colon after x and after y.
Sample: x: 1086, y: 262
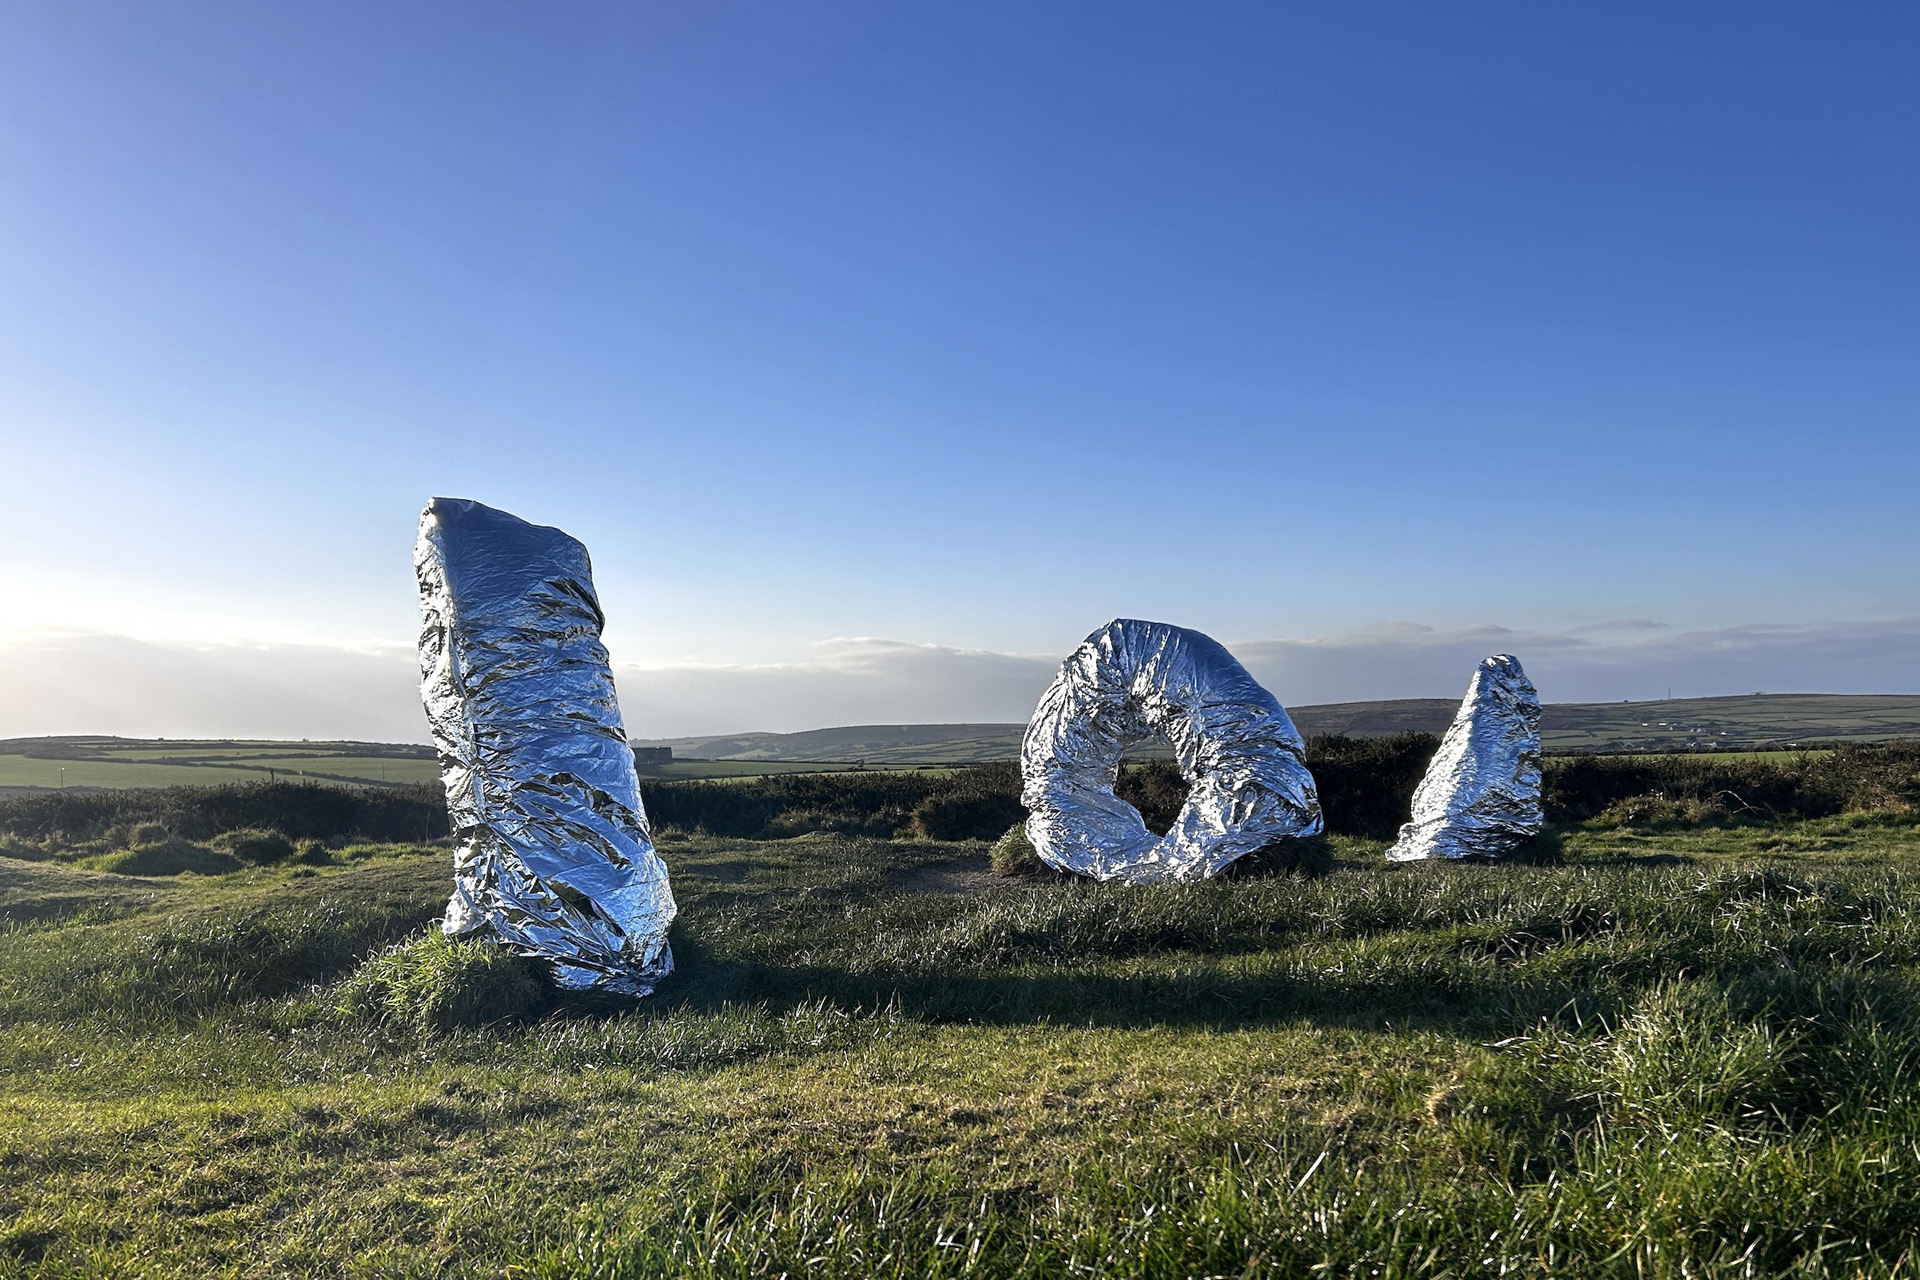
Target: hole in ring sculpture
x: 1242, y: 758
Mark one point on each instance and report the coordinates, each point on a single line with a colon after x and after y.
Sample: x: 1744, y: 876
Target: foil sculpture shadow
x: 1480, y: 797
x: 1242, y: 758
x: 552, y: 854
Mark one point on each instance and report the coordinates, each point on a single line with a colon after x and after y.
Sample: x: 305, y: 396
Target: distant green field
x: 1737, y: 755
x: 747, y: 772
x: 132, y: 762
x: 135, y: 762
x: 1757, y: 721
x: 1761, y: 719
x: 688, y: 770
x: 210, y: 750
x: 22, y: 771
x: 1755, y: 726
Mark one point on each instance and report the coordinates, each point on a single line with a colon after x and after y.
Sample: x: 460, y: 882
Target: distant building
x: 653, y: 755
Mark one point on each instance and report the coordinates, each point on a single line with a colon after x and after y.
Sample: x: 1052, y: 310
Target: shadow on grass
x: 1547, y: 849
x: 1638, y: 860
x: 1430, y: 988
x: 1034, y: 957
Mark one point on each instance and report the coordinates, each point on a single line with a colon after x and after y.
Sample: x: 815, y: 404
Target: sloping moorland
x: 1680, y: 1039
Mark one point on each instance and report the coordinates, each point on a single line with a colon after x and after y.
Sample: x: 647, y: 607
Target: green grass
x: 245, y: 752
x: 171, y: 858
x: 127, y: 763
x: 21, y: 771
x: 1785, y: 718
x: 1656, y: 1052
x: 135, y: 762
x: 358, y: 768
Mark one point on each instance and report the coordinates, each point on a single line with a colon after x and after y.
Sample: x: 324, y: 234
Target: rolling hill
x: 1747, y: 722
x: 1756, y: 721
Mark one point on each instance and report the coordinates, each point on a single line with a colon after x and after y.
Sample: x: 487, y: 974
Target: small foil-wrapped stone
x: 1237, y: 748
x: 552, y: 854
x: 1480, y: 797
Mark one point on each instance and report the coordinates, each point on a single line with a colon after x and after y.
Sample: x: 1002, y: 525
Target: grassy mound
x: 169, y: 857
x: 1013, y: 854
x: 434, y: 983
x: 314, y: 853
x: 257, y: 845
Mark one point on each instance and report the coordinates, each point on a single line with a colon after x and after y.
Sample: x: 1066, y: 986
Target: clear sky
x: 879, y: 352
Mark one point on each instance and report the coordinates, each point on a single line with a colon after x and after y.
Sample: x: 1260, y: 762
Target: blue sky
x: 906, y: 329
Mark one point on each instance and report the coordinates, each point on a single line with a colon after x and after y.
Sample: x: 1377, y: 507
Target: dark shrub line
x: 1366, y: 788
x: 1854, y: 777
x: 299, y: 810
x: 978, y: 802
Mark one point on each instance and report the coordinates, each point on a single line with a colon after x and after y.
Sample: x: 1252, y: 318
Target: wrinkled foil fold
x: 1242, y: 758
x: 1480, y: 796
x: 552, y: 852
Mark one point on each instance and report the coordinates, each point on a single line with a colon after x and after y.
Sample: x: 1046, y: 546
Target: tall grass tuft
x: 433, y: 983
x: 256, y: 845
x: 135, y: 973
x: 168, y: 857
x: 1014, y: 855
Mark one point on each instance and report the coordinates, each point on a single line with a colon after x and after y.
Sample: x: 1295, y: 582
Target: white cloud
x: 1845, y: 657
x: 845, y: 681
x: 89, y: 683
x: 66, y: 683
x: 1842, y: 657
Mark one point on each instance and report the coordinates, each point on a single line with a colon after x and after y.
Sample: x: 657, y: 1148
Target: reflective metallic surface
x: 1480, y: 797
x: 552, y: 855
x: 1237, y: 748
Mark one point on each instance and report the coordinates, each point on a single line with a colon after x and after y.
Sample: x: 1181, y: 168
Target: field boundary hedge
x: 299, y: 810
x: 1366, y: 788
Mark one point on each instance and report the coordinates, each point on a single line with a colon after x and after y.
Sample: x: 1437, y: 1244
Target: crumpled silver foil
x: 1242, y: 758
x: 552, y: 856
x: 1480, y: 797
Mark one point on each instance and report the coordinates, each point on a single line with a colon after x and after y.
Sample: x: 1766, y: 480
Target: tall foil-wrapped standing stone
x: 552, y: 853
x: 1480, y: 797
x: 1242, y: 758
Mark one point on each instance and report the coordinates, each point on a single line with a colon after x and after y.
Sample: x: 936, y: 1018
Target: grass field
x: 874, y: 744
x: 134, y: 762
x: 51, y: 763
x: 1687, y: 1051
x: 694, y: 770
x: 1776, y: 756
x: 22, y: 771
x: 1787, y: 719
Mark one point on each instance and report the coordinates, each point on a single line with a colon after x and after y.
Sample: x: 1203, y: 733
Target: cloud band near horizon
x: 73, y: 683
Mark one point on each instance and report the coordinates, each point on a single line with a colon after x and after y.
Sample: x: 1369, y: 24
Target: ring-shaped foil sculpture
x: 552, y: 855
x: 1237, y: 748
